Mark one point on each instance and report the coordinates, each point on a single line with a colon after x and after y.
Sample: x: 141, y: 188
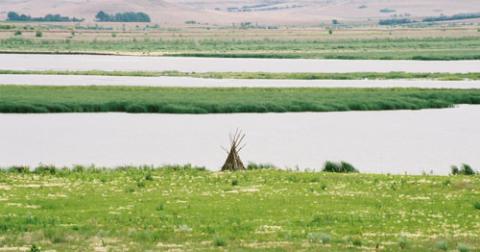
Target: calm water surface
x: 136, y: 63
x: 378, y: 142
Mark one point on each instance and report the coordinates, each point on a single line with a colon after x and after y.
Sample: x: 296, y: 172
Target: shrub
x: 465, y: 169
x: 463, y: 248
x: 160, y: 207
x: 46, y: 169
x: 18, y: 33
x: 254, y: 166
x: 234, y: 182
x: 357, y: 242
x: 149, y: 177
x: 476, y: 205
x: 318, y: 238
x: 442, y: 245
x: 140, y: 184
x: 219, y: 242
x: 403, y: 243
x: 34, y: 248
x: 342, y: 167
x: 38, y: 34
x: 19, y: 169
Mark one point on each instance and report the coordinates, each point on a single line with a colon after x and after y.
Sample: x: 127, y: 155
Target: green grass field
x: 264, y: 75
x: 45, y: 99
x: 438, y: 48
x: 185, y: 209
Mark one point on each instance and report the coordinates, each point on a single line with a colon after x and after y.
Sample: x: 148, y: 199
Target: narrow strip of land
x: 47, y: 99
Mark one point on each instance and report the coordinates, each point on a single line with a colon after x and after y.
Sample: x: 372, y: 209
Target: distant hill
x: 265, y: 12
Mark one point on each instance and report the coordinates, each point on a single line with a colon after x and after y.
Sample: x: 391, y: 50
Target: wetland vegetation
x: 436, y: 48
x: 48, y: 99
x: 264, y: 75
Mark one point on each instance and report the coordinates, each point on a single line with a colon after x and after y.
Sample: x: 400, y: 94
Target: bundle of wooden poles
x: 233, y: 162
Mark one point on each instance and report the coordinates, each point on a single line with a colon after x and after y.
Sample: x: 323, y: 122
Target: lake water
x: 76, y: 80
x: 375, y: 142
x: 138, y: 63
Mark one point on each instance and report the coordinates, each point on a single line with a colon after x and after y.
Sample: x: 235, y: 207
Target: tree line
x: 122, y: 17
x: 100, y: 17
x: 14, y: 16
x: 399, y: 21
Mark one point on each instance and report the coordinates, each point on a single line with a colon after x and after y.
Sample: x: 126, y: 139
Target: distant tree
x: 454, y: 17
x: 102, y: 16
x: 13, y: 16
x: 122, y: 17
x: 395, y: 21
x: 335, y: 22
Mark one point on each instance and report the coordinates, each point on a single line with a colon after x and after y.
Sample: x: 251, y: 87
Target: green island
x: 186, y: 208
x: 49, y: 99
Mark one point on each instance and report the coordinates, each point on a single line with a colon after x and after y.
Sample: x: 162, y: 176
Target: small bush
x: 357, y: 242
x: 19, y: 169
x: 38, y: 34
x: 219, y: 242
x: 234, y: 182
x: 441, y: 245
x: 34, y: 248
x: 463, y: 248
x: 254, y: 166
x: 46, y: 169
x: 140, y: 184
x: 476, y: 205
x: 403, y: 243
x: 18, y: 33
x: 149, y: 177
x: 318, y: 238
x: 160, y: 207
x: 342, y: 167
x: 465, y: 169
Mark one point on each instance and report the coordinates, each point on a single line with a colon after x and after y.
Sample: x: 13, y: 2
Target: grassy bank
x: 438, y: 48
x: 45, y: 99
x: 179, y: 208
x: 264, y: 75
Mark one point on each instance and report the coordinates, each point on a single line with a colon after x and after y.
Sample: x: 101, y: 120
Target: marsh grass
x: 263, y: 75
x: 44, y: 99
x: 435, y: 48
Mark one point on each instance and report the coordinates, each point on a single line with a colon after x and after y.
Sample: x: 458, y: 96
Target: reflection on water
x: 379, y: 142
